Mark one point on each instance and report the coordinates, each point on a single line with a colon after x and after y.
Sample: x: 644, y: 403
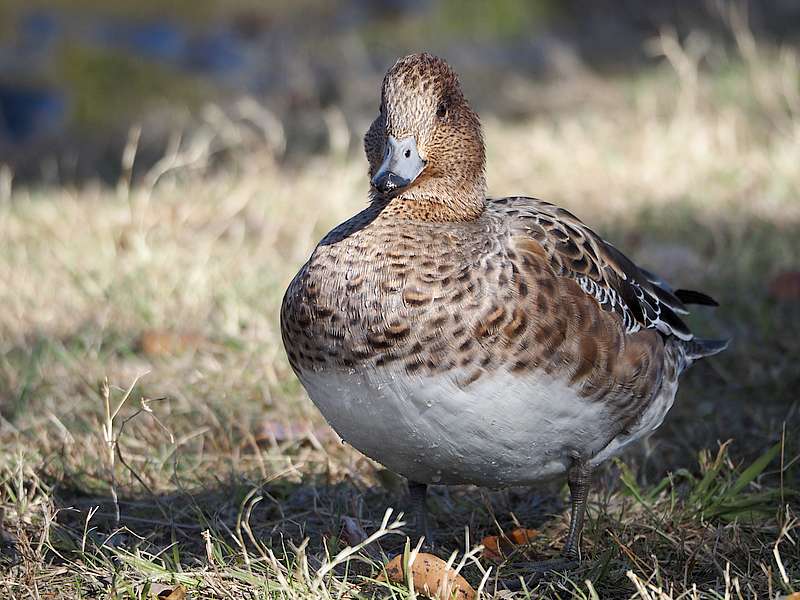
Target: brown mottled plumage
x: 457, y: 339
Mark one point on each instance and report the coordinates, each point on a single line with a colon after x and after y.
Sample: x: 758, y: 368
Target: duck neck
x: 440, y: 201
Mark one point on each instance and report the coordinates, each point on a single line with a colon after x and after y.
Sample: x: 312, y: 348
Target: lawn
x: 155, y: 441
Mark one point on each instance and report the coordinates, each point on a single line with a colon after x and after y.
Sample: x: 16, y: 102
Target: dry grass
x: 225, y: 477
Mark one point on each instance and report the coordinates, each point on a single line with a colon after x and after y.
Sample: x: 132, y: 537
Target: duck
x: 460, y: 339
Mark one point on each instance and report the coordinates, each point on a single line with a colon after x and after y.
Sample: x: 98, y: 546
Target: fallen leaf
x: 523, y: 536
x: 168, y: 592
x: 498, y: 547
x: 785, y: 286
x: 162, y: 342
x: 431, y: 577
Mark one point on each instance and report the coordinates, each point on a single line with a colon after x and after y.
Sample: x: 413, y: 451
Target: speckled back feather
x: 604, y: 272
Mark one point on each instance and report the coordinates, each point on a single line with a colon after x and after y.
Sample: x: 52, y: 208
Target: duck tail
x: 700, y: 348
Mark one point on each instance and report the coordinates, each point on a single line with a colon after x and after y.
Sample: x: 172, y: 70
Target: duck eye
x: 441, y: 110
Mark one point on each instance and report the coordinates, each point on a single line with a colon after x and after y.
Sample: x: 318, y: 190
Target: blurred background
x: 76, y: 75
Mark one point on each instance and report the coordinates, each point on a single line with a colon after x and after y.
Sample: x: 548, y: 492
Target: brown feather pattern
x: 438, y: 280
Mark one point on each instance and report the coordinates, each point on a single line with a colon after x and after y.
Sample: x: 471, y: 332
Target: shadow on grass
x: 282, y: 513
x: 307, y: 521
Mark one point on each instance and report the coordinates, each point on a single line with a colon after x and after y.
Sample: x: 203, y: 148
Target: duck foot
x: 579, y: 478
x: 536, y: 571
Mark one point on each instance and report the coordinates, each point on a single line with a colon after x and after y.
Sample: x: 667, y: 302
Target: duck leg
x: 579, y: 478
x: 418, y: 494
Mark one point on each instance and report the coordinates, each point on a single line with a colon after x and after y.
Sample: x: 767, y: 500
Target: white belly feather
x: 504, y: 429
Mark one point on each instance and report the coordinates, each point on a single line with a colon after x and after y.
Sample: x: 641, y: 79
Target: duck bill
x: 400, y: 167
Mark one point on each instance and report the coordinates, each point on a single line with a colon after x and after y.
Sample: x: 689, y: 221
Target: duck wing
x: 641, y: 299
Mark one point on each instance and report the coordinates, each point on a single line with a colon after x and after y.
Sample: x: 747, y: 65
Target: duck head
x: 425, y: 147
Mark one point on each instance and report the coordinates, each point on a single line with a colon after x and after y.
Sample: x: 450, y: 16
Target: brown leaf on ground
x: 177, y: 592
x: 431, y: 577
x: 785, y: 286
x: 163, y: 342
x: 498, y: 547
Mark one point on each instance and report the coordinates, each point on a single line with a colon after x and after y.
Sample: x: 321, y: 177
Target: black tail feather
x: 692, y: 297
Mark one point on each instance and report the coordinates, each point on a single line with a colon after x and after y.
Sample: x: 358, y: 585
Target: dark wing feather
x: 693, y: 297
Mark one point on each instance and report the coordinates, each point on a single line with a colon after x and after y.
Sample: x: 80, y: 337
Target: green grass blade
x: 754, y: 470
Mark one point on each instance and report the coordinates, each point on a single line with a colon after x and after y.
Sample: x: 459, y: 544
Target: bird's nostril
x: 408, y: 153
